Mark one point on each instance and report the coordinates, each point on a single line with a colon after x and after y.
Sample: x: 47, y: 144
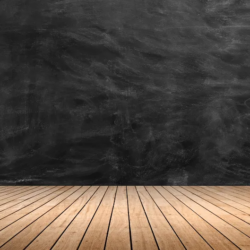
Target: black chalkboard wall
x: 125, y: 92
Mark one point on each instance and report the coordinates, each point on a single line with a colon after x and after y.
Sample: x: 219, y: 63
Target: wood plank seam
x: 91, y: 219
x: 236, y: 192
x: 100, y: 222
x: 232, y: 198
x: 73, y: 219
x: 33, y: 210
x: 204, y: 190
x: 27, y: 205
x: 181, y: 216
x: 25, y: 199
x: 219, y: 207
x: 39, y: 216
x: 2, y: 191
x: 130, y: 234
x: 203, y: 219
x: 110, y: 219
x: 215, y: 214
x: 14, y: 191
x: 243, y: 207
x: 165, y: 217
x: 147, y: 219
x: 12, y: 197
x: 61, y: 214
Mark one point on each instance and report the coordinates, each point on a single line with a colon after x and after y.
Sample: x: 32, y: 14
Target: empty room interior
x: 124, y: 124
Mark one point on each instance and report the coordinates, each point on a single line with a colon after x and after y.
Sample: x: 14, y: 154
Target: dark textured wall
x: 125, y: 92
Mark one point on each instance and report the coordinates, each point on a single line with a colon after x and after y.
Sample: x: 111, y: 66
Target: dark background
x: 125, y: 92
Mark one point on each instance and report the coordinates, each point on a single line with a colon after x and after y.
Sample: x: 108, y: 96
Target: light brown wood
x: 30, y: 233
x: 187, y: 234
x: 214, y: 238
x: 226, y: 229
x: 49, y: 236
x: 221, y: 204
x: 242, y: 195
x: 71, y: 238
x: 227, y: 217
x: 99, y: 226
x: 246, y: 188
x: 159, y: 224
x: 223, y: 199
x: 15, y: 195
x: 24, y: 198
x: 6, y: 211
x: 10, y: 231
x: 141, y: 234
x: 118, y: 236
x: 110, y: 218
x: 23, y: 212
x: 243, y: 191
x: 229, y: 195
x: 4, y: 190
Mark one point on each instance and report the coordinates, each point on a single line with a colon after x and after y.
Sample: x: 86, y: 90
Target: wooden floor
x: 113, y: 218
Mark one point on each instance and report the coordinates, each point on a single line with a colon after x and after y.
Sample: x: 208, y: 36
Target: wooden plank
x: 229, y: 196
x: 214, y: 238
x: 160, y: 226
x: 17, y: 193
x: 232, y: 190
x: 240, y: 189
x: 238, y: 238
x: 6, y: 211
x: 11, y: 188
x: 141, y: 234
x: 23, y: 212
x: 7, y: 233
x: 187, y: 234
x: 223, y: 199
x: 221, y: 204
x: 49, y: 236
x: 227, y: 217
x: 238, y: 194
x: 7, y: 189
x: 118, y: 236
x: 4, y: 187
x: 247, y: 188
x: 72, y: 236
x: 23, y: 239
x: 99, y: 226
x: 24, y: 198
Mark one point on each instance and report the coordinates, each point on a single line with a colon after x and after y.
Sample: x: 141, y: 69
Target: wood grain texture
x: 215, y: 239
x: 26, y: 210
x: 10, y: 231
x: 187, y: 234
x: 226, y: 229
x: 26, y: 197
x: 141, y: 234
x: 160, y: 226
x: 99, y: 226
x: 118, y: 236
x: 49, y: 236
x: 134, y: 217
x: 72, y: 236
x: 221, y: 198
x: 221, y: 204
x: 31, y: 232
x: 15, y: 195
x: 28, y: 204
x: 219, y: 212
x: 229, y: 195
